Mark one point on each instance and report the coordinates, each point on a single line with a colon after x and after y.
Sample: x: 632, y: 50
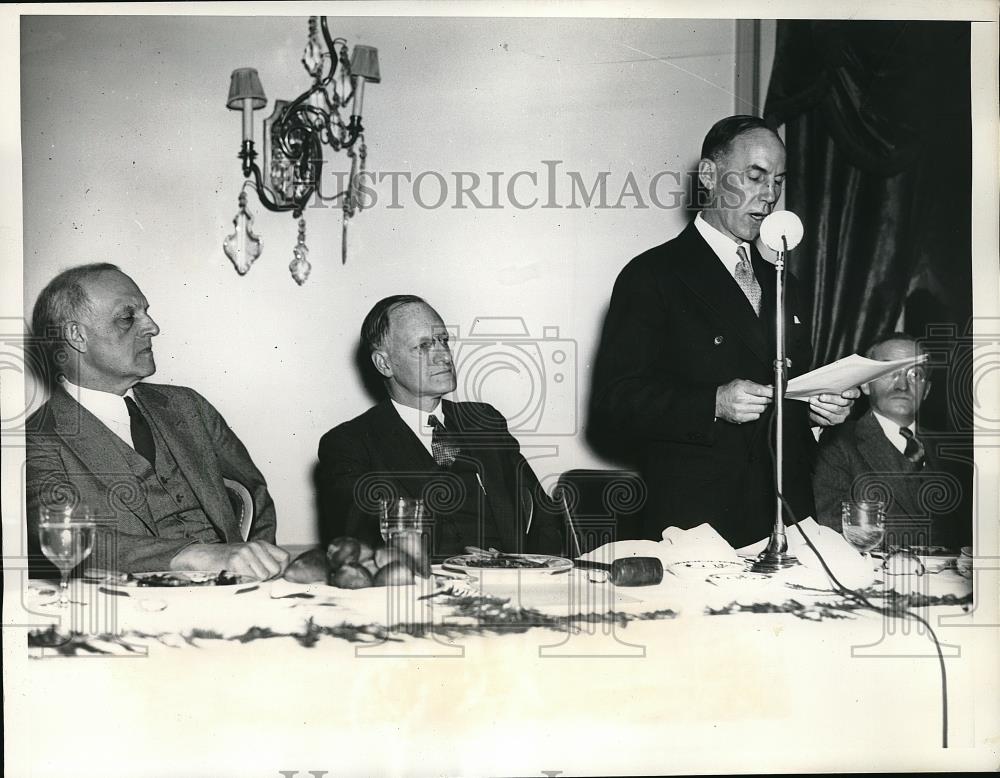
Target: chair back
x: 242, y: 502
x: 604, y: 506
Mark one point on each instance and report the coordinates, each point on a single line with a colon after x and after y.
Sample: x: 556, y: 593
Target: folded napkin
x: 701, y: 543
x: 851, y: 568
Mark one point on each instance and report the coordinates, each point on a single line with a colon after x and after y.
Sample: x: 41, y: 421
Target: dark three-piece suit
x: 678, y: 327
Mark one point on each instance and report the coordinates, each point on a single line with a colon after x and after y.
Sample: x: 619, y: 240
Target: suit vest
x: 174, y: 508
x: 902, y: 529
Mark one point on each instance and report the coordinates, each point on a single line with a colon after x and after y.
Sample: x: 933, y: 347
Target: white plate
x: 724, y: 579
x: 187, y: 581
x: 934, y: 558
x: 553, y: 565
x: 703, y: 568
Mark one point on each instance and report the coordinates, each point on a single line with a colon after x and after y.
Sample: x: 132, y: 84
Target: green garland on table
x: 470, y: 614
x: 895, y: 603
x: 478, y: 614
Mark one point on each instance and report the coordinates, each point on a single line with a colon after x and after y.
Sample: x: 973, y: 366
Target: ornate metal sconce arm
x: 297, y: 131
x: 250, y: 168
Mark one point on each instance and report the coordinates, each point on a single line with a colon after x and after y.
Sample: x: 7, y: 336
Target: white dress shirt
x: 725, y: 248
x: 418, y: 421
x: 891, y: 430
x: 109, y: 408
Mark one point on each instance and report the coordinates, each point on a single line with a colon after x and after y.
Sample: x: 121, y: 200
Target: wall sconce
x: 293, y: 140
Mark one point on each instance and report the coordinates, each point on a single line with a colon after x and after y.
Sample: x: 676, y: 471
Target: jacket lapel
x: 401, y: 451
x: 95, y: 445
x: 486, y: 459
x: 195, y: 456
x: 704, y: 274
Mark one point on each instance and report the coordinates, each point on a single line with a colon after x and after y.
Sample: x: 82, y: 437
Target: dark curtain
x: 877, y: 128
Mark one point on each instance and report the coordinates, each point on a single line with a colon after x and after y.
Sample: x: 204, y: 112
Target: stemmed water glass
x: 863, y: 523
x: 67, y: 538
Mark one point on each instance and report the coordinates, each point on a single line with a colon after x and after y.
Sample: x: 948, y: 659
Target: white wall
x: 130, y: 156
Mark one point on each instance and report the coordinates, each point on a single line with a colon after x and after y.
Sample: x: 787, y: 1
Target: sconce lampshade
x: 245, y: 85
x: 364, y: 63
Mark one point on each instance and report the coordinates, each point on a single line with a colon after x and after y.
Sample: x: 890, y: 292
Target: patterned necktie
x: 747, y: 280
x: 142, y: 435
x: 443, y: 449
x: 914, y: 448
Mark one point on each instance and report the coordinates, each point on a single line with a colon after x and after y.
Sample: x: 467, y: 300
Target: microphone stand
x: 776, y: 557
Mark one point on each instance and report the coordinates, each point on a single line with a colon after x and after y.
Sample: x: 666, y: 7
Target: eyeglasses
x: 913, y: 375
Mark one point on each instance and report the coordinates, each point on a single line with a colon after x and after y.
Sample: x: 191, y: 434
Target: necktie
x: 443, y: 449
x: 747, y: 280
x: 914, y: 448
x: 142, y: 435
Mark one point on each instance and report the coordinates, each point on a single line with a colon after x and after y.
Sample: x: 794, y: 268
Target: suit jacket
x: 72, y: 456
x: 376, y: 451
x: 678, y: 327
x: 856, y: 461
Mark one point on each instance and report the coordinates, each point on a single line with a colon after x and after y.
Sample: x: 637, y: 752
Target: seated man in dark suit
x: 148, y: 460
x: 886, y: 455
x: 458, y: 456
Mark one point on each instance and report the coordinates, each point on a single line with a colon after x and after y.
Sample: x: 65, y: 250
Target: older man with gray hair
x: 416, y: 443
x: 149, y: 461
x: 888, y: 454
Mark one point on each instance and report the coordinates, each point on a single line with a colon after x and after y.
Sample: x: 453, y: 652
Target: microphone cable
x: 859, y: 597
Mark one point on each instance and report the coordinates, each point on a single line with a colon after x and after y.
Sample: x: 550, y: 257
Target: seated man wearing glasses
x: 886, y: 455
x: 459, y: 457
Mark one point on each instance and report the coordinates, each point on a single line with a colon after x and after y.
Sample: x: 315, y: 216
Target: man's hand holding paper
x: 826, y: 410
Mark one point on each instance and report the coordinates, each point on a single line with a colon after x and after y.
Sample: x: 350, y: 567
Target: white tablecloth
x: 658, y: 686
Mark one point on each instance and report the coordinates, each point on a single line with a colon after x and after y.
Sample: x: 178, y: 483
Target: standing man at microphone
x: 684, y: 370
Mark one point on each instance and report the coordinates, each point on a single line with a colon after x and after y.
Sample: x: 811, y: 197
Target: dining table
x: 715, y: 669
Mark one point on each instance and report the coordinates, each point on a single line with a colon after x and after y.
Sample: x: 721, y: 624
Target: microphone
x: 781, y: 231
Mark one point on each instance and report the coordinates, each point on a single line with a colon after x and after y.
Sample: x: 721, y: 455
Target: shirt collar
x: 104, y: 405
x: 891, y: 430
x: 416, y: 419
x: 723, y: 246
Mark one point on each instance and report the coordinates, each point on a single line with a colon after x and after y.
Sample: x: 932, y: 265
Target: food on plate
x: 180, y: 579
x: 396, y: 573
x: 343, y: 550
x: 350, y: 576
x: 511, y: 561
x: 308, y: 567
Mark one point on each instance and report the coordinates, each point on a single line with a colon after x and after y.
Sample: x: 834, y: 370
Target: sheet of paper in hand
x: 844, y: 374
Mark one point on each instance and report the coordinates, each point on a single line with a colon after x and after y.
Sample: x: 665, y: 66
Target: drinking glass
x: 67, y: 538
x: 405, y: 525
x: 863, y: 523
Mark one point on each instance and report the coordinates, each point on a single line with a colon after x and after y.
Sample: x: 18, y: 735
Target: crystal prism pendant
x: 243, y: 246
x: 312, y: 56
x: 299, y: 266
